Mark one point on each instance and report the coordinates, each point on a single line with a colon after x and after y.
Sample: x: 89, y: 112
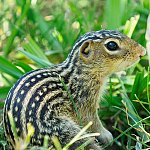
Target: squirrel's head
x: 107, y: 51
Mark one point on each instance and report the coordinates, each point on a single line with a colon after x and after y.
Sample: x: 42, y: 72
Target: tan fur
x: 40, y: 98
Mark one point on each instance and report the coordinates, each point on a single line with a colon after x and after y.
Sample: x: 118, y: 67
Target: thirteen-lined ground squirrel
x: 40, y: 98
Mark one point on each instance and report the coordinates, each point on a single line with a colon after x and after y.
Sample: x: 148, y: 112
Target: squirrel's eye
x: 112, y: 46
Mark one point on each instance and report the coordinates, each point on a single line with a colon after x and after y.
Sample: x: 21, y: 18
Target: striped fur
x: 39, y: 97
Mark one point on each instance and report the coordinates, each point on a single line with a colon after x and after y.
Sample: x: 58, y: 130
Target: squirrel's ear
x: 85, y: 49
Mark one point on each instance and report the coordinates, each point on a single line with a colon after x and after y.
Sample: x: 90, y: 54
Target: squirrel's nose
x: 141, y: 49
x: 143, y: 52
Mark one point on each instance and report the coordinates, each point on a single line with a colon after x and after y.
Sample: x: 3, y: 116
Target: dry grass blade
x: 79, y: 136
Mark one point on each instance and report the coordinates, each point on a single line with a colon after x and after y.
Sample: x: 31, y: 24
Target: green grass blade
x: 45, y: 30
x: 14, y: 32
x: 9, y: 68
x: 136, y: 84
x: 148, y: 87
x: 114, y: 10
x: 7, y: 79
x: 146, y: 3
x: 31, y: 47
x: 56, y: 143
x: 13, y: 126
x: 23, y: 66
x: 132, y: 138
x: 132, y: 114
x: 140, y: 83
x: 142, y: 104
x: 3, y: 92
x: 45, y: 142
x: 39, y: 61
x: 82, y: 147
x: 147, y: 37
x: 132, y: 126
x: 3, y: 143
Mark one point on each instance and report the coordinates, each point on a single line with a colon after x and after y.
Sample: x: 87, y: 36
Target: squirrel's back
x: 36, y: 97
x: 51, y: 99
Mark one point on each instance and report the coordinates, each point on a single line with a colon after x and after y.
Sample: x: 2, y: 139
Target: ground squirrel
x: 39, y: 97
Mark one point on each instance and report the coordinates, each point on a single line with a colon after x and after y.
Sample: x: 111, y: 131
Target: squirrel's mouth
x: 133, y: 62
x: 136, y: 58
x: 127, y: 63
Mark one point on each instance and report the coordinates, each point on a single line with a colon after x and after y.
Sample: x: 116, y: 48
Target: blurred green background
x: 39, y: 33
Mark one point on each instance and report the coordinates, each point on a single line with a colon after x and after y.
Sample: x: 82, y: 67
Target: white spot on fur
x: 33, y: 105
x: 27, y: 84
x: 18, y: 100
x: 37, y: 98
x: 38, y: 76
x: 22, y: 92
x: 16, y: 108
x: 32, y: 80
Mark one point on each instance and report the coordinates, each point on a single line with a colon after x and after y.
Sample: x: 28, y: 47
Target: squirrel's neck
x: 84, y: 84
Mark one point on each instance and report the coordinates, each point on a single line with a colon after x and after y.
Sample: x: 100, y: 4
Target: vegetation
x: 35, y: 34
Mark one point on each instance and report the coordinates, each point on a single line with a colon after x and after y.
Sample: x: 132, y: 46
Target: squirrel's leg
x: 105, y: 136
x: 68, y: 130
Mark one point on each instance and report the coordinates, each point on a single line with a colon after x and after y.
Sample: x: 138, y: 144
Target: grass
x: 35, y: 34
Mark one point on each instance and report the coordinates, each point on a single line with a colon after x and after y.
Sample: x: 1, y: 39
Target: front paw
x: 105, y: 137
x: 93, y: 146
